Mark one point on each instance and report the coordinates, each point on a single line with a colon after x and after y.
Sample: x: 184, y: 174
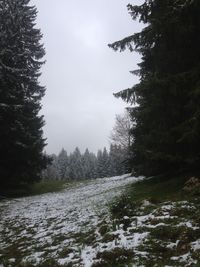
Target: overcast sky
x: 82, y: 73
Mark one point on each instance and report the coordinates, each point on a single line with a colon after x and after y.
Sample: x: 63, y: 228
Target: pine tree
x: 105, y: 163
x: 167, y: 99
x: 63, y: 165
x: 75, y: 165
x: 52, y: 171
x: 86, y: 164
x: 21, y: 135
x: 93, y: 166
x: 89, y: 165
x: 100, y: 165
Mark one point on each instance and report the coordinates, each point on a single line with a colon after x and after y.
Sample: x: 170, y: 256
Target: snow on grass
x: 196, y: 245
x: 74, y: 228
x: 33, y: 227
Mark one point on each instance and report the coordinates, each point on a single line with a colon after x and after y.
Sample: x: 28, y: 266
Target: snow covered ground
x: 59, y: 228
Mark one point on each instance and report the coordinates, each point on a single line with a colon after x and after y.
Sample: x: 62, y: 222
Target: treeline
x: 87, y: 165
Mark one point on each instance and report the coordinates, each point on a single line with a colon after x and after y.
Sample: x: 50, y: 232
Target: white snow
x: 57, y: 225
x: 49, y: 223
x: 188, y: 225
x: 196, y: 245
x: 146, y: 203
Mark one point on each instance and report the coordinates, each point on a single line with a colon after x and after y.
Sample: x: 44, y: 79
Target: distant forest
x: 87, y: 165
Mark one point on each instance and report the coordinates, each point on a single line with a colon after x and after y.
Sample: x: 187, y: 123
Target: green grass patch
x: 159, y: 189
x: 46, y: 187
x: 38, y: 188
x: 155, y: 189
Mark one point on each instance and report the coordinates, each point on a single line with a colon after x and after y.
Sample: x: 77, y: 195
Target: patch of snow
x: 172, y: 245
x: 185, y: 258
x: 196, y: 245
x: 66, y: 260
x: 87, y: 256
x: 188, y: 225
x: 50, y: 222
x: 146, y: 203
x: 34, y: 258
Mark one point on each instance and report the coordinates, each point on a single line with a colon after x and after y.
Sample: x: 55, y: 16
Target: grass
x: 46, y: 187
x: 155, y: 189
x: 159, y: 192
x: 42, y: 187
x: 38, y: 188
x: 159, y: 189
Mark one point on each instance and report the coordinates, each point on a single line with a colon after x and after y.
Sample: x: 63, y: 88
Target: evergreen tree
x: 113, y: 162
x: 71, y: 166
x: 93, y: 166
x: 105, y: 163
x: 52, y: 171
x: 167, y: 99
x: 86, y: 164
x: 89, y: 165
x: 100, y: 165
x: 75, y: 165
x: 63, y: 165
x: 21, y: 134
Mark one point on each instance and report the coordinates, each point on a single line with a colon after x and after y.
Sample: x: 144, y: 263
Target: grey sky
x: 82, y: 73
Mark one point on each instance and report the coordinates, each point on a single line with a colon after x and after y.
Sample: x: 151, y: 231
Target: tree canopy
x: 166, y: 101
x: 21, y: 135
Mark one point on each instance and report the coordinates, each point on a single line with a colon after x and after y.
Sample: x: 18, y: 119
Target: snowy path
x: 56, y: 226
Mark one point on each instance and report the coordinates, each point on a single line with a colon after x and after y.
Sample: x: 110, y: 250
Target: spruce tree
x: 63, y: 165
x: 76, y: 170
x: 21, y: 135
x: 93, y: 166
x: 105, y: 163
x: 89, y: 165
x: 100, y: 164
x: 167, y: 98
x: 86, y: 164
x: 52, y: 171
